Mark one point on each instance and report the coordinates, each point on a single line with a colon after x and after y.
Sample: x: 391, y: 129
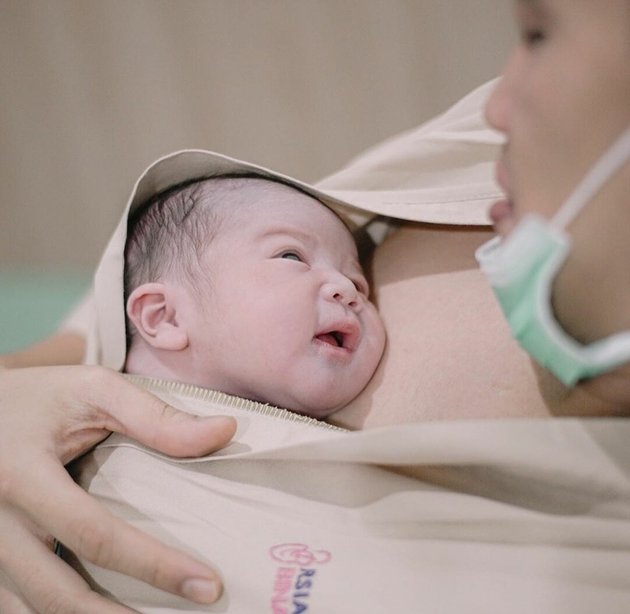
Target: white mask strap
x: 609, y: 163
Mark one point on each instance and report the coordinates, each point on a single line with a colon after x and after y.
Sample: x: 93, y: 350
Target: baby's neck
x: 139, y: 361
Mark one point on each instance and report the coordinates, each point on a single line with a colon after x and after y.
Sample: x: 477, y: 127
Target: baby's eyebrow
x: 291, y: 231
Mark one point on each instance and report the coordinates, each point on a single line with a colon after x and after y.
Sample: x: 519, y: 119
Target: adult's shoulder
x: 439, y: 172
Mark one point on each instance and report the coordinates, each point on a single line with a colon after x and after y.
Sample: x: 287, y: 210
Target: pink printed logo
x: 295, y: 577
x: 299, y: 554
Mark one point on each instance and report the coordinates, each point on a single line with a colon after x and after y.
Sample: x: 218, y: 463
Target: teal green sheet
x: 33, y: 302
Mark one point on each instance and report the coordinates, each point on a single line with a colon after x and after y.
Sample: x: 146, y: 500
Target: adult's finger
x: 11, y: 601
x: 66, y: 413
x: 41, y: 581
x: 93, y: 533
x: 115, y: 404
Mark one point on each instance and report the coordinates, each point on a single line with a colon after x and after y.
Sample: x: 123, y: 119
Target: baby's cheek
x: 378, y: 327
x: 374, y: 341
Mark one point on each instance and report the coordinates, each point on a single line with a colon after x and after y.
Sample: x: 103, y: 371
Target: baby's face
x: 284, y: 315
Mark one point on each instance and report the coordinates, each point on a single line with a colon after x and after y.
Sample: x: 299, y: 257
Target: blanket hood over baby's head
x: 107, y: 343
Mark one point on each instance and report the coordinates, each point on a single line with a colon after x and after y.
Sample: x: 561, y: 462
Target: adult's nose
x: 498, y: 108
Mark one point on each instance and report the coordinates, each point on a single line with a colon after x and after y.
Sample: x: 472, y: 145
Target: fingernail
x: 201, y: 591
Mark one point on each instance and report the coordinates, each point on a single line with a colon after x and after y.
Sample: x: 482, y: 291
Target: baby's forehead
x: 265, y: 198
x: 264, y: 208
x: 259, y: 191
x: 194, y: 213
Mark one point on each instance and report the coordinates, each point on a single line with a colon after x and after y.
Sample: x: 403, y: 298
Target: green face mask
x: 521, y: 270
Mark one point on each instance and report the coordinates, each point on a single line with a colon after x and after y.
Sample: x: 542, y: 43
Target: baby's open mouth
x: 343, y: 335
x: 334, y: 338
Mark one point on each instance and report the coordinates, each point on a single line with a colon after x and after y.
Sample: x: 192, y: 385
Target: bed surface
x: 33, y: 301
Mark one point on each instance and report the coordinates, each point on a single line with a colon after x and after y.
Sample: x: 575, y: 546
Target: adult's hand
x: 48, y: 417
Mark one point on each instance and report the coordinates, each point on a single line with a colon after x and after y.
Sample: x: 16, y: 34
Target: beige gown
x: 415, y: 513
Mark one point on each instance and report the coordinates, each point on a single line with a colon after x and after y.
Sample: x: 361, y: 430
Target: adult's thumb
x: 135, y: 412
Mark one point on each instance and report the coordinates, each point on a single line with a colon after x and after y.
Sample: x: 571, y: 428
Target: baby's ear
x: 151, y: 309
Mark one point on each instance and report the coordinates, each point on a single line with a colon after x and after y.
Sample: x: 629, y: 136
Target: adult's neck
x: 605, y: 395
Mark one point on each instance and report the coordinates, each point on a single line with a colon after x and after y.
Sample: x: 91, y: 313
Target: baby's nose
x: 342, y: 290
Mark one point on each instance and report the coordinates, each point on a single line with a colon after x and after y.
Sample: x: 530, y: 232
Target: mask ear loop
x: 610, y: 162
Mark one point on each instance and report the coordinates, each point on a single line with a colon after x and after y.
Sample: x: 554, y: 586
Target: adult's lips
x: 501, y: 215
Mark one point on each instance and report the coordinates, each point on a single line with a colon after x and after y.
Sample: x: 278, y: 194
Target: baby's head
x: 250, y: 286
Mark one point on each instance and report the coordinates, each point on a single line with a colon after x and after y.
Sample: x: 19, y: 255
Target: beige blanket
x: 514, y: 516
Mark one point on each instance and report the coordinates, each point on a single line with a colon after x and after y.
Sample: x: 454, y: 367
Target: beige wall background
x: 93, y: 90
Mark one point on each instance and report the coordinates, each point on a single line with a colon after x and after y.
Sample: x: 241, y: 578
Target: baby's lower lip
x: 332, y: 349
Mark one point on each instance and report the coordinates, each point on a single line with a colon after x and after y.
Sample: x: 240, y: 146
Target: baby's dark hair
x: 167, y: 235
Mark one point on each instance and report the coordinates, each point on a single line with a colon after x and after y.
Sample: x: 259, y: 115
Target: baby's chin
x: 319, y: 413
x: 321, y: 408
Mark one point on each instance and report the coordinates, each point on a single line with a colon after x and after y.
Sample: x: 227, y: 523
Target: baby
x: 249, y: 286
